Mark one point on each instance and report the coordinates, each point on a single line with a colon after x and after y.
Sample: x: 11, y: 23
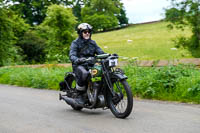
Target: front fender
x: 119, y: 76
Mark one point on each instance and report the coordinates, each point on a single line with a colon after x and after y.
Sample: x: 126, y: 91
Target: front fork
x: 108, y: 79
x: 117, y: 76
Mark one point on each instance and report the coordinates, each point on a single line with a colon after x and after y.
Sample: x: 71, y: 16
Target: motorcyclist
x: 81, y: 49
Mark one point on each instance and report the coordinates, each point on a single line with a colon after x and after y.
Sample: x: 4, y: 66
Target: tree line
x: 39, y: 31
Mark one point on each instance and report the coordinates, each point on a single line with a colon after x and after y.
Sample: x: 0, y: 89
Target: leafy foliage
x: 104, y: 6
x: 122, y: 17
x: 11, y: 27
x: 103, y: 22
x: 47, y: 77
x: 101, y: 14
x: 34, y: 11
x: 77, y: 9
x: 33, y: 47
x: 186, y: 13
x: 59, y: 26
x: 177, y: 83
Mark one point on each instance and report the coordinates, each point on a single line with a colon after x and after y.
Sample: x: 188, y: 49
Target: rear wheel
x: 121, y: 103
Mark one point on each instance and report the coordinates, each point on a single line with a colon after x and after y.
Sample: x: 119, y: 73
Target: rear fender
x: 65, y: 85
x: 70, y: 75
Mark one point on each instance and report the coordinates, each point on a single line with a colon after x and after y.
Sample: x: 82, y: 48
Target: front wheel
x: 121, y: 103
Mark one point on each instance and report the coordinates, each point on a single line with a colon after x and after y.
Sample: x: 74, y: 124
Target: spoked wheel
x: 122, y: 103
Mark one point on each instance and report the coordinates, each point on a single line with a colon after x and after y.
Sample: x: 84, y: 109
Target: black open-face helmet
x: 82, y: 27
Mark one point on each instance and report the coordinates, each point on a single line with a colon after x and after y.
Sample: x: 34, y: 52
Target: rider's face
x: 86, y: 34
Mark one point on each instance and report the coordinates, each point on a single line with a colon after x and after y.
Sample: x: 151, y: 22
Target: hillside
x: 146, y: 41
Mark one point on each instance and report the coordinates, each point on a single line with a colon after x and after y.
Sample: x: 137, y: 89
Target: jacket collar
x: 83, y: 41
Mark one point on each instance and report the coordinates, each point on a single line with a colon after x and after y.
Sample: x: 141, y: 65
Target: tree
x: 101, y: 22
x: 1, y: 3
x: 101, y: 14
x: 34, y: 11
x: 104, y: 6
x: 60, y: 31
x: 76, y: 7
x: 186, y: 13
x: 11, y: 28
x: 121, y: 16
x: 33, y: 46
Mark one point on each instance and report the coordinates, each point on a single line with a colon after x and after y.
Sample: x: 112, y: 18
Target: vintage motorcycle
x: 107, y: 87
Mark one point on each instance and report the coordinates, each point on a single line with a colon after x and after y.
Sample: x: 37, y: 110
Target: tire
x: 119, y: 99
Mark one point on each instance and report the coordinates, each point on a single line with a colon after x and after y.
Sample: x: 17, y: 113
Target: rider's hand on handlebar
x: 90, y: 60
x: 81, y: 60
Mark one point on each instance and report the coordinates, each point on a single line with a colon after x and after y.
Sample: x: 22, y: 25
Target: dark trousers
x: 81, y: 75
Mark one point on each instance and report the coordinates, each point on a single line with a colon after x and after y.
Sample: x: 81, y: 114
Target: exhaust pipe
x: 69, y: 100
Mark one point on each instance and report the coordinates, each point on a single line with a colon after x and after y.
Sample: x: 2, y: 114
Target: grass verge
x: 43, y: 78
x: 172, y: 83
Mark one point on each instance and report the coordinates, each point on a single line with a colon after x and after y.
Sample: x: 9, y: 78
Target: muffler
x: 69, y: 100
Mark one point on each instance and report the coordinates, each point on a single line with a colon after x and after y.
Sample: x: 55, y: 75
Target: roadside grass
x: 146, y: 41
x: 42, y: 78
x: 171, y: 83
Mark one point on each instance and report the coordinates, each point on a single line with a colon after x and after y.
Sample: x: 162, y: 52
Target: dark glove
x: 91, y: 60
x: 80, y: 60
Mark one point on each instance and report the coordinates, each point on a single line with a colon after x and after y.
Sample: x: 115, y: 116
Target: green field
x: 149, y: 42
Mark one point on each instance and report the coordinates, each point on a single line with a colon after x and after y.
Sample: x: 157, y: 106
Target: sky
x: 139, y: 11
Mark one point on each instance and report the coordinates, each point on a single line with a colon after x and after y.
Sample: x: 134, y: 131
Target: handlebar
x: 104, y: 56
x: 92, y: 60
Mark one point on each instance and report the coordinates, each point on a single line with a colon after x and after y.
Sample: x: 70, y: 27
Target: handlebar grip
x: 102, y: 56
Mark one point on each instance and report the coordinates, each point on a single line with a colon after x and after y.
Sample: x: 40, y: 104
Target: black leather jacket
x: 83, y: 48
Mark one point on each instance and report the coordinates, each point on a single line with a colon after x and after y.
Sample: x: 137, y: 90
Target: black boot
x: 80, y: 98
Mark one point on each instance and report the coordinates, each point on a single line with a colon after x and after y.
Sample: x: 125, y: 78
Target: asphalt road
x: 26, y: 110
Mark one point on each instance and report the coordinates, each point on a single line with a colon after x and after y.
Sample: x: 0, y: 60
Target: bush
x: 179, y: 83
x: 33, y: 47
